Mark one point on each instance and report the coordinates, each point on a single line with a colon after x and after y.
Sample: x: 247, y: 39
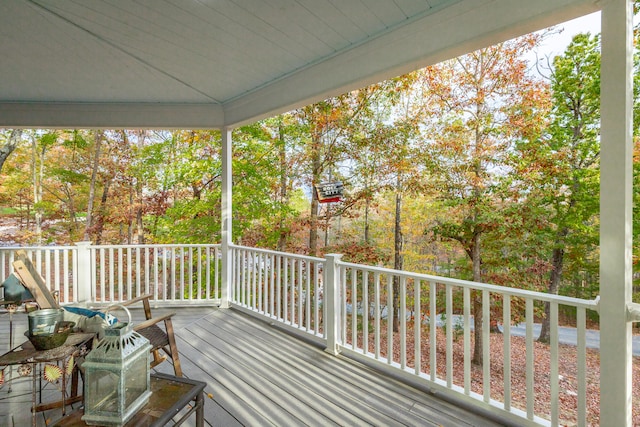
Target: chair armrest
x: 153, y: 321
x: 136, y: 299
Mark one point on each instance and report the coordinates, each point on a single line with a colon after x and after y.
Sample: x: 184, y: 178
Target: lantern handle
x: 113, y: 306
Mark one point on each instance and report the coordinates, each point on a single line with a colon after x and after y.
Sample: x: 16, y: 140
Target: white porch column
x: 331, y: 303
x: 616, y: 181
x: 226, y: 219
x: 85, y: 277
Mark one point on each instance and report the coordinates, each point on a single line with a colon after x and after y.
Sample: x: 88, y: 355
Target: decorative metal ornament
x: 71, y: 363
x: 52, y: 373
x: 24, y: 370
x: 117, y: 381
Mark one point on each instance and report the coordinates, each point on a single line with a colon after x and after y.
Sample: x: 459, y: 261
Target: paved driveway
x: 566, y: 335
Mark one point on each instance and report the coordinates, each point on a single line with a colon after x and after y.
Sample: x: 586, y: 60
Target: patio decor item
x: 32, y: 280
x: 51, y: 340
x: 15, y: 291
x: 117, y: 381
x: 163, y: 342
x: 44, y: 322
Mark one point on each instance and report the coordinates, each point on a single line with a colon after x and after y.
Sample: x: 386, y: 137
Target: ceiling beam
x: 110, y: 115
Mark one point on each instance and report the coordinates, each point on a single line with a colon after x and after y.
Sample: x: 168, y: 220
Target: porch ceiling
x: 215, y: 63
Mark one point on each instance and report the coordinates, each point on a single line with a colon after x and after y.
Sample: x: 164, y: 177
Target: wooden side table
x: 170, y: 395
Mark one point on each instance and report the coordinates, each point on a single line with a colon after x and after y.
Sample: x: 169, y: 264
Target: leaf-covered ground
x: 568, y: 386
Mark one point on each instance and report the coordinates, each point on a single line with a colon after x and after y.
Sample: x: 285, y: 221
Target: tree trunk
x: 557, y: 259
x: 10, y: 145
x: 71, y: 207
x: 313, y: 226
x: 130, y: 216
x: 38, y: 172
x: 327, y: 224
x: 366, y: 217
x: 282, y: 234
x: 477, y: 300
x: 92, y: 186
x: 315, y: 180
x: 139, y: 214
x: 103, y: 208
x: 398, y: 262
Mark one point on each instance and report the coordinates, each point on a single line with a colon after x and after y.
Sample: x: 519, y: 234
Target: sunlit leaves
x: 483, y: 104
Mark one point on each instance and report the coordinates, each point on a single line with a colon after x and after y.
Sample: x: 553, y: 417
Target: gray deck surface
x: 260, y: 376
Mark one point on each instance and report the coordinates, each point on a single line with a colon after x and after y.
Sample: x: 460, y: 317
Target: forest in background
x: 482, y: 167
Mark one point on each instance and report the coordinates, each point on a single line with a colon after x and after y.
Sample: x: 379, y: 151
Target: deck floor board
x: 259, y: 375
x: 300, y: 382
x: 314, y: 372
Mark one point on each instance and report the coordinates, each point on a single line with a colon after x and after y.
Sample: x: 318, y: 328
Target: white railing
x: 56, y: 264
x: 347, y: 307
x: 416, y: 346
x: 432, y: 343
x: 188, y: 273
x: 281, y: 286
x: 173, y: 274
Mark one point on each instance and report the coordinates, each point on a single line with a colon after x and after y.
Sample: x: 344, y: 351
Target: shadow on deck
x: 258, y: 375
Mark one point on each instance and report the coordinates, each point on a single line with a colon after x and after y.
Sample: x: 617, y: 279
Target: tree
x: 636, y: 151
x: 401, y: 152
x: 284, y: 135
x: 328, y: 124
x: 15, y: 183
x: 99, y: 136
x: 479, y: 102
x: 572, y: 185
x: 187, y: 169
x: 9, y: 144
x: 39, y: 146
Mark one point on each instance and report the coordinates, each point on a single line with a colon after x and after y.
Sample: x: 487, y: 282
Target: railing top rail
x: 523, y: 293
x: 158, y: 245
x: 287, y: 254
x: 67, y: 247
x: 35, y: 248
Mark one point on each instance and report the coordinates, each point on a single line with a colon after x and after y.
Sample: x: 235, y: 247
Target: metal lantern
x: 116, y: 381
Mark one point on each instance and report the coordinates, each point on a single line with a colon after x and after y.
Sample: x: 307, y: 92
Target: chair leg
x: 173, y: 347
x: 157, y: 358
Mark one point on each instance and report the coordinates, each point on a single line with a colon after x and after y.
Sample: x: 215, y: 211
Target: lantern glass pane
x: 104, y: 390
x: 135, y: 375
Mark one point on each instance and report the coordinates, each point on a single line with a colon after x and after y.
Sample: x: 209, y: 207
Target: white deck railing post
x: 332, y: 302
x: 616, y: 199
x: 226, y: 217
x: 84, y: 277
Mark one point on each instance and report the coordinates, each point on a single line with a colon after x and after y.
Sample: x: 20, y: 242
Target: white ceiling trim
x: 110, y: 115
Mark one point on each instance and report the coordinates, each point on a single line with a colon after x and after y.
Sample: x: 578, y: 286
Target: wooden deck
x: 260, y: 376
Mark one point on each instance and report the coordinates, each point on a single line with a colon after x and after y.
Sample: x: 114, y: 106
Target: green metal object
x: 117, y: 380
